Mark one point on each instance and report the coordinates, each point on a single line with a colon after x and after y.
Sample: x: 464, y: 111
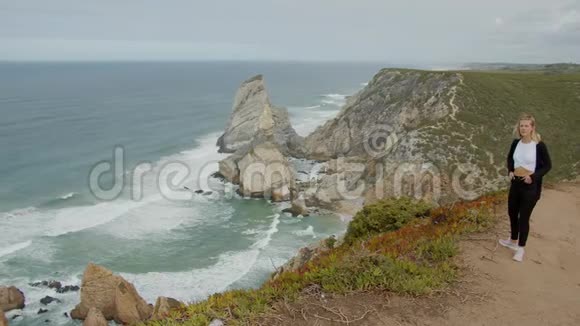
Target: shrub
x: 438, y: 250
x: 384, y: 216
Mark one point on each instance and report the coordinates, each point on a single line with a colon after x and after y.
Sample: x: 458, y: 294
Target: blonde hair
x: 526, y: 116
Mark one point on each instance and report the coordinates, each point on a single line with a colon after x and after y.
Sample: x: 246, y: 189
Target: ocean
x: 59, y: 120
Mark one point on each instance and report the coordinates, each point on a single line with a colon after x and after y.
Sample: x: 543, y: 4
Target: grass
x: 399, y: 245
x: 493, y: 102
x: 490, y: 103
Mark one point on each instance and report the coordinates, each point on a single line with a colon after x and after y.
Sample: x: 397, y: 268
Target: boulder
x: 11, y: 298
x: 228, y: 168
x: 298, y: 206
x: 56, y: 285
x: 116, y: 298
x: 95, y: 318
x: 3, y: 320
x: 48, y: 299
x: 162, y: 307
x: 50, y: 284
x: 265, y: 172
x: 250, y: 105
x: 68, y: 288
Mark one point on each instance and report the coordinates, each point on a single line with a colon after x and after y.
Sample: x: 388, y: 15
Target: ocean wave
x: 14, y: 248
x: 29, y: 315
x: 335, y: 96
x: 309, y: 231
x: 69, y: 195
x: 262, y: 243
x: 334, y: 99
x: 200, y: 283
x: 51, y: 221
x: 251, y: 231
x: 18, y: 212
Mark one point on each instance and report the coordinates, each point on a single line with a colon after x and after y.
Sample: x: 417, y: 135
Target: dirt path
x: 542, y: 290
x: 494, y: 290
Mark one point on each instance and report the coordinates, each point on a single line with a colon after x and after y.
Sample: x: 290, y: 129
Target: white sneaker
x: 508, y: 243
x: 519, y: 255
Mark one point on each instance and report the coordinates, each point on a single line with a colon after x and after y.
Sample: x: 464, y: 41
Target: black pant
x: 521, y: 201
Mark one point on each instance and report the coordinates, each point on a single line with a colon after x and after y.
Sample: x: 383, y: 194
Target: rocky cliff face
x: 376, y: 137
x: 439, y: 136
x: 252, y: 114
x: 392, y: 103
x: 262, y: 138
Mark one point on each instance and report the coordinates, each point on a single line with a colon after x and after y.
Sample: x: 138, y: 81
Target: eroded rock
x: 11, y: 298
x: 112, y: 295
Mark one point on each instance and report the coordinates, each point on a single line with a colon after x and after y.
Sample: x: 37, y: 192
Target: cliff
x: 252, y: 111
x: 443, y: 136
x: 261, y: 137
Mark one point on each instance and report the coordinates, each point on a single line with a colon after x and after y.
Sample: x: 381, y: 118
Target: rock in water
x: 162, y: 307
x: 298, y: 206
x: 68, y: 288
x: 252, y: 113
x: 264, y: 172
x: 95, y: 318
x: 48, y: 299
x: 112, y: 295
x: 11, y: 298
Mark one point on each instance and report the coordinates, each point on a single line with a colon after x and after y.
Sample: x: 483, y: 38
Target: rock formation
x: 56, y: 285
x: 265, y: 172
x: 253, y: 113
x: 162, y: 307
x: 95, y: 318
x: 112, y: 295
x: 262, y: 137
x: 298, y: 206
x: 48, y: 299
x: 376, y: 135
x: 392, y: 103
x: 11, y: 298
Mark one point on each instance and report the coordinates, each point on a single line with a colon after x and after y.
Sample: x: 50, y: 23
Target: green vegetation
x: 406, y: 246
x: 397, y: 245
x: 554, y: 68
x: 384, y: 216
x: 491, y: 103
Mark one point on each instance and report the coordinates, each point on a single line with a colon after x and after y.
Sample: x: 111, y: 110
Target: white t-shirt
x: 525, y: 155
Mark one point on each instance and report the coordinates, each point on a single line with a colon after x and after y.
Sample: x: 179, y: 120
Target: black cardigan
x: 543, y: 163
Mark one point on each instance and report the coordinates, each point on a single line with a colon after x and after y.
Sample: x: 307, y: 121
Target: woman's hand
x: 528, y: 179
x: 511, y: 175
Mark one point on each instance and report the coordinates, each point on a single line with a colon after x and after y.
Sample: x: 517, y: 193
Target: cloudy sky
x: 406, y: 31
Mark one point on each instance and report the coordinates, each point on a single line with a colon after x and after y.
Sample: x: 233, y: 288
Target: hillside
x: 406, y: 256
x: 552, y: 68
x: 444, y: 126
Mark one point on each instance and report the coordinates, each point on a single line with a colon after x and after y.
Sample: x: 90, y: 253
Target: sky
x: 406, y: 31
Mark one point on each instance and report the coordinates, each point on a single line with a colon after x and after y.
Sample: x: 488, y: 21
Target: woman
x: 528, y: 161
